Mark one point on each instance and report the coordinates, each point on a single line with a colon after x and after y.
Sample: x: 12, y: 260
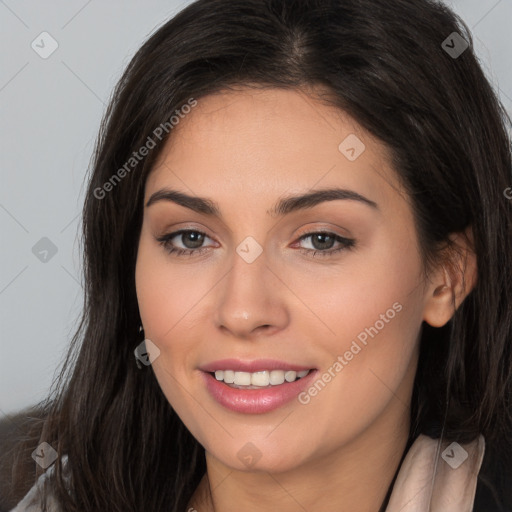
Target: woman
x: 298, y: 280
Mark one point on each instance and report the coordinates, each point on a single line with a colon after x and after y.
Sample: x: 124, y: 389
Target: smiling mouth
x: 257, y: 392
x: 258, y: 380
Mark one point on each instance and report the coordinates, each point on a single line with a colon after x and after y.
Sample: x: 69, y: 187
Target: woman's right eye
x: 196, y: 238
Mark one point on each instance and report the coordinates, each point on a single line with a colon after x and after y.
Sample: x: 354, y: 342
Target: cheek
x: 370, y: 324
x: 166, y: 293
x: 168, y: 297
x: 151, y: 287
x: 365, y: 290
x: 164, y: 316
x: 368, y: 373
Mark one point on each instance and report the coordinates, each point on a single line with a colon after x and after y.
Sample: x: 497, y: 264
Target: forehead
x: 249, y: 142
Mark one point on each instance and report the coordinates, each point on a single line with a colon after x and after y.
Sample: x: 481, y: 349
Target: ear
x: 452, y: 281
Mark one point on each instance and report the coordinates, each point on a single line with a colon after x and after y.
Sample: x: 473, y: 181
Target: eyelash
x: 347, y: 244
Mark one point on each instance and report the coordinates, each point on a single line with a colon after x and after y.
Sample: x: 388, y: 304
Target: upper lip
x: 255, y: 365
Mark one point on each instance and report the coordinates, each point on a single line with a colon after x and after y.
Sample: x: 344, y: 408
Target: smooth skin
x: 246, y: 149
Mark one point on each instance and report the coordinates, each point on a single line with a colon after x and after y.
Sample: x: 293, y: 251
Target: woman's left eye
x: 194, y: 238
x: 322, y: 238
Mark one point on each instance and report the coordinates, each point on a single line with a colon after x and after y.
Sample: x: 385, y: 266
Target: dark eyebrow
x: 283, y: 207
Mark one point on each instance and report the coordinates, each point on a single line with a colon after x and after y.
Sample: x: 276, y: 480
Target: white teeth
x: 229, y: 376
x: 276, y: 377
x: 290, y: 376
x: 242, y: 379
x: 262, y: 378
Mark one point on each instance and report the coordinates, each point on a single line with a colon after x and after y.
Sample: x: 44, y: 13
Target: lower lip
x: 256, y: 401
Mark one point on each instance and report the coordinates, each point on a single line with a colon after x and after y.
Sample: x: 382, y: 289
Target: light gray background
x: 50, y: 114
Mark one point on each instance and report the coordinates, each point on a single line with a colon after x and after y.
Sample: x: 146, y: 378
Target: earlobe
x: 453, y: 281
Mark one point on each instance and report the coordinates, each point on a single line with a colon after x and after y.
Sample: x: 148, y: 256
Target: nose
x: 252, y: 300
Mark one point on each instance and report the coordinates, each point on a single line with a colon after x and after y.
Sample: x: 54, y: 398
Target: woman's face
x: 259, y: 285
